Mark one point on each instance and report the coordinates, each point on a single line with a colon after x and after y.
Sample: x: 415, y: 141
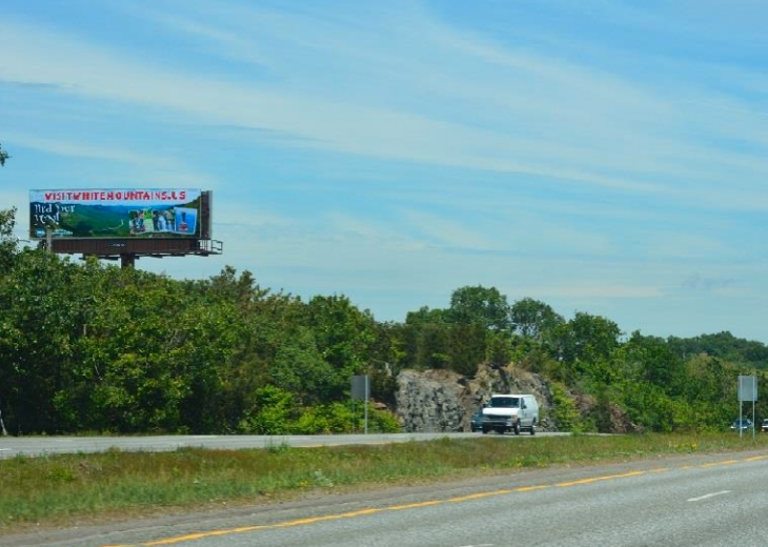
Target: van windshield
x: 505, y: 402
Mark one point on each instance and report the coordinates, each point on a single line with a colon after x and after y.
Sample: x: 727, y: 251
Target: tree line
x: 88, y: 347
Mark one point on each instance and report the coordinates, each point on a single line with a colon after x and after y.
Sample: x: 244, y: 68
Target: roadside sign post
x: 361, y: 390
x: 747, y: 392
x: 3, y: 432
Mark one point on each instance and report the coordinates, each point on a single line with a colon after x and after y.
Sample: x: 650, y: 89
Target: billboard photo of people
x: 186, y: 220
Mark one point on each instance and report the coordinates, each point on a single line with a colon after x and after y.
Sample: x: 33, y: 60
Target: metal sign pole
x: 741, y: 419
x: 3, y: 432
x: 361, y: 390
x: 754, y: 398
x: 367, y: 391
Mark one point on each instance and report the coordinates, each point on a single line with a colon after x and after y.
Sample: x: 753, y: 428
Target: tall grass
x: 64, y: 489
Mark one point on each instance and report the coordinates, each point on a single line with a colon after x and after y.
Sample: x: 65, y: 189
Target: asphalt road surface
x: 695, y: 501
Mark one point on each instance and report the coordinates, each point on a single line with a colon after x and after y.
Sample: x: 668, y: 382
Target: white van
x: 511, y: 412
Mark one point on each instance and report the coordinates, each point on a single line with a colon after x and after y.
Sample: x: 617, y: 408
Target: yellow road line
x: 430, y: 503
x: 414, y: 505
x: 532, y: 488
x: 478, y: 496
x: 603, y: 478
x: 718, y: 464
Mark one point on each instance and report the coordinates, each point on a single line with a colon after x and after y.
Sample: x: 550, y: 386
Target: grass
x: 62, y: 490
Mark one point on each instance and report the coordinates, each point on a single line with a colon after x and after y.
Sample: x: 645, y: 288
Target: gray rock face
x: 444, y: 401
x: 430, y: 401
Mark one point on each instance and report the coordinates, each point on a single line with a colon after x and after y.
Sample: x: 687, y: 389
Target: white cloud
x: 446, y: 232
x: 86, y: 69
x: 87, y: 151
x: 594, y: 291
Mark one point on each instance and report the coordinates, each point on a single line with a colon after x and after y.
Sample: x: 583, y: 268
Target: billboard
x: 115, y: 213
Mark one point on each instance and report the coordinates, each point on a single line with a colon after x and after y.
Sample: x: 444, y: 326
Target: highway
x: 691, y: 500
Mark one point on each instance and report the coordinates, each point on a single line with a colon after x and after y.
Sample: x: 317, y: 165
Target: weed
x: 279, y: 448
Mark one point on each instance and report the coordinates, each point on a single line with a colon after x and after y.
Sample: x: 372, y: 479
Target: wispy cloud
x: 88, y: 151
x: 446, y: 232
x: 624, y: 123
x: 696, y: 282
x: 594, y: 291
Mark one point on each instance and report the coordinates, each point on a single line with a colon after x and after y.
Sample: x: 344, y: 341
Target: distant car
x: 741, y: 425
x: 765, y: 426
x: 476, y: 423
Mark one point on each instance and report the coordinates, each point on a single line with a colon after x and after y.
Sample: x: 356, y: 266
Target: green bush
x: 270, y: 414
x: 276, y: 412
x: 331, y: 418
x: 564, y: 413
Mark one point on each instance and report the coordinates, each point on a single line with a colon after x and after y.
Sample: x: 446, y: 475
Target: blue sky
x: 601, y: 156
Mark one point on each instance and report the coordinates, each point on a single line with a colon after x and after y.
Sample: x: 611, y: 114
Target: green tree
x: 262, y: 323
x: 425, y: 339
x: 498, y: 349
x: 425, y: 316
x: 433, y: 346
x: 40, y: 327
x: 9, y: 246
x: 272, y: 411
x: 149, y: 362
x: 564, y: 412
x: 3, y: 156
x: 485, y: 307
x: 709, y: 379
x: 467, y: 348
x: 723, y: 345
x: 205, y: 339
x: 583, y: 348
x: 300, y: 369
x: 587, y: 338
x: 388, y: 356
x: 648, y: 406
x: 534, y: 319
x: 656, y: 362
x: 343, y: 335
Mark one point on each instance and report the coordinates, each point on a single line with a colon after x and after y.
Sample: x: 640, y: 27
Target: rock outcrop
x: 444, y: 401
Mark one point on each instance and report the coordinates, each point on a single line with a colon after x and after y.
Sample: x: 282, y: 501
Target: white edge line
x: 712, y: 495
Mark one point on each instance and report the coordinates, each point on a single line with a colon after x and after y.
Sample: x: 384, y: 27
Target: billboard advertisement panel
x: 115, y: 213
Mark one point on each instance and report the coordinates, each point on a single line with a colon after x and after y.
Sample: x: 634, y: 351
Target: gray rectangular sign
x: 361, y: 389
x: 747, y: 389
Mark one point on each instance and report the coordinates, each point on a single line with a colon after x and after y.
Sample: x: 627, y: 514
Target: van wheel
x: 485, y: 431
x: 533, y: 429
x: 517, y: 427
